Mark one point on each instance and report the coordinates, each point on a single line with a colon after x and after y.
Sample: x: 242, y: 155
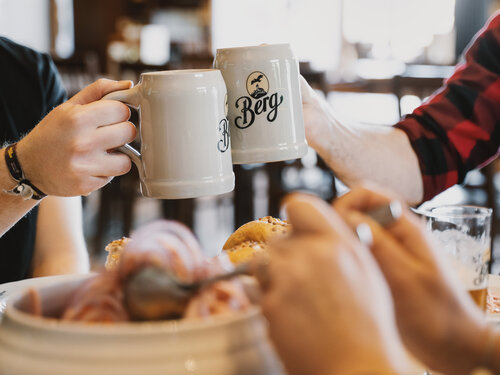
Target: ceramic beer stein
x: 185, y: 145
x: 265, y: 107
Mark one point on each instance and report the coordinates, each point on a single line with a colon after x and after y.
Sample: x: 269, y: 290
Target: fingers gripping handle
x: 130, y: 97
x: 135, y: 156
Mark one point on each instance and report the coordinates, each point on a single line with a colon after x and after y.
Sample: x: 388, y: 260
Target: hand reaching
x: 327, y: 303
x: 437, y: 320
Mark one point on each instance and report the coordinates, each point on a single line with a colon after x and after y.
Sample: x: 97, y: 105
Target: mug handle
x: 130, y: 97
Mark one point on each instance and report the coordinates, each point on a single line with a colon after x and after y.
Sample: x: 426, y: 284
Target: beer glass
x: 463, y: 234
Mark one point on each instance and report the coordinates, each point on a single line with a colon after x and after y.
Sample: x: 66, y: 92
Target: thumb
x: 309, y: 214
x: 98, y: 89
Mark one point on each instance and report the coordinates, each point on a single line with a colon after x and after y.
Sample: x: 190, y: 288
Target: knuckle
x: 75, y: 118
x: 127, y: 165
x: 132, y: 132
x: 76, y: 171
x: 80, y: 146
x: 100, y: 84
x: 120, y: 111
x: 124, y: 165
x: 124, y: 111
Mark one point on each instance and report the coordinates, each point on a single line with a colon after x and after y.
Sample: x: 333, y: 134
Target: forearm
x: 12, y: 207
x: 60, y: 246
x: 370, y: 153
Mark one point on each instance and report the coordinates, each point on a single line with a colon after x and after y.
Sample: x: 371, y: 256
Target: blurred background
x: 373, y: 60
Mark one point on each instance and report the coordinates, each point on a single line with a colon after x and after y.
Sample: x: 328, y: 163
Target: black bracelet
x: 24, y: 187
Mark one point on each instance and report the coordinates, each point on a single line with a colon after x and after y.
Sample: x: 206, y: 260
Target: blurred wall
x: 26, y: 22
x: 470, y: 17
x: 95, y: 21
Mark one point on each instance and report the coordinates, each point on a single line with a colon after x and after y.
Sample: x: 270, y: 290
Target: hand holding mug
x: 264, y: 108
x: 318, y: 116
x: 69, y: 152
x: 185, y: 144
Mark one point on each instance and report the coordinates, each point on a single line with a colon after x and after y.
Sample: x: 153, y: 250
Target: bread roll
x: 251, y: 238
x: 115, y: 250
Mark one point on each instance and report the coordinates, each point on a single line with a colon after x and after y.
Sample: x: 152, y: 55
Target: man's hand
x: 69, y: 152
x: 361, y: 153
x: 317, y: 116
x: 437, y: 320
x: 328, y: 306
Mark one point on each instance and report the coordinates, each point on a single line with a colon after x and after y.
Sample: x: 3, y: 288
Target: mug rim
x: 178, y: 71
x: 261, y: 46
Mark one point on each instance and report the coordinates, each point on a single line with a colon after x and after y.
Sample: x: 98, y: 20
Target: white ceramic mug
x: 185, y: 145
x: 265, y: 107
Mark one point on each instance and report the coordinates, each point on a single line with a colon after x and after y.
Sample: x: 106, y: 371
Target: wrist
x: 24, y: 187
x: 30, y: 163
x: 7, y: 183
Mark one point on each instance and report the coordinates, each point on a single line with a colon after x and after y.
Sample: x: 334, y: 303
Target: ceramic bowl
x: 226, y: 345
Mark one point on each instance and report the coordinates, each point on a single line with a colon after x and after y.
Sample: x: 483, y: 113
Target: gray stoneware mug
x: 265, y: 107
x: 185, y: 144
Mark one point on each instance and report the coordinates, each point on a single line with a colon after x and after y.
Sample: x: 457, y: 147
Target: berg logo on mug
x: 265, y: 108
x: 258, y: 89
x: 223, y: 143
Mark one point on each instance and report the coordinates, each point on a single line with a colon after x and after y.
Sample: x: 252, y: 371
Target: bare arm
x: 360, y: 153
x: 66, y: 153
x: 453, y: 132
x: 59, y: 245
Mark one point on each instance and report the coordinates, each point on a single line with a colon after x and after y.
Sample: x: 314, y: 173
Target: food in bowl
x: 115, y: 250
x: 168, y: 246
x: 251, y: 239
x: 235, y: 344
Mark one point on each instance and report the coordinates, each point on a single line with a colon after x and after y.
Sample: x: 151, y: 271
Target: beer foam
x: 467, y: 255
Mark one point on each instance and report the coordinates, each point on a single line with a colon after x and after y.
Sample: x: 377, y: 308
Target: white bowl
x: 29, y: 345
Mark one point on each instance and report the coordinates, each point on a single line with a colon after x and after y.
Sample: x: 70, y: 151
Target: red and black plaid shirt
x: 458, y: 128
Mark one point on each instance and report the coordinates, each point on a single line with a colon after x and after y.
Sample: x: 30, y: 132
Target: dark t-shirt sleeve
x: 52, y: 86
x: 29, y: 89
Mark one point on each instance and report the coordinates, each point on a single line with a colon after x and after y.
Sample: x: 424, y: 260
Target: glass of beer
x: 463, y: 234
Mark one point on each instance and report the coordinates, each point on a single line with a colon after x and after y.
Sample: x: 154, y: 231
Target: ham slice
x: 168, y: 245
